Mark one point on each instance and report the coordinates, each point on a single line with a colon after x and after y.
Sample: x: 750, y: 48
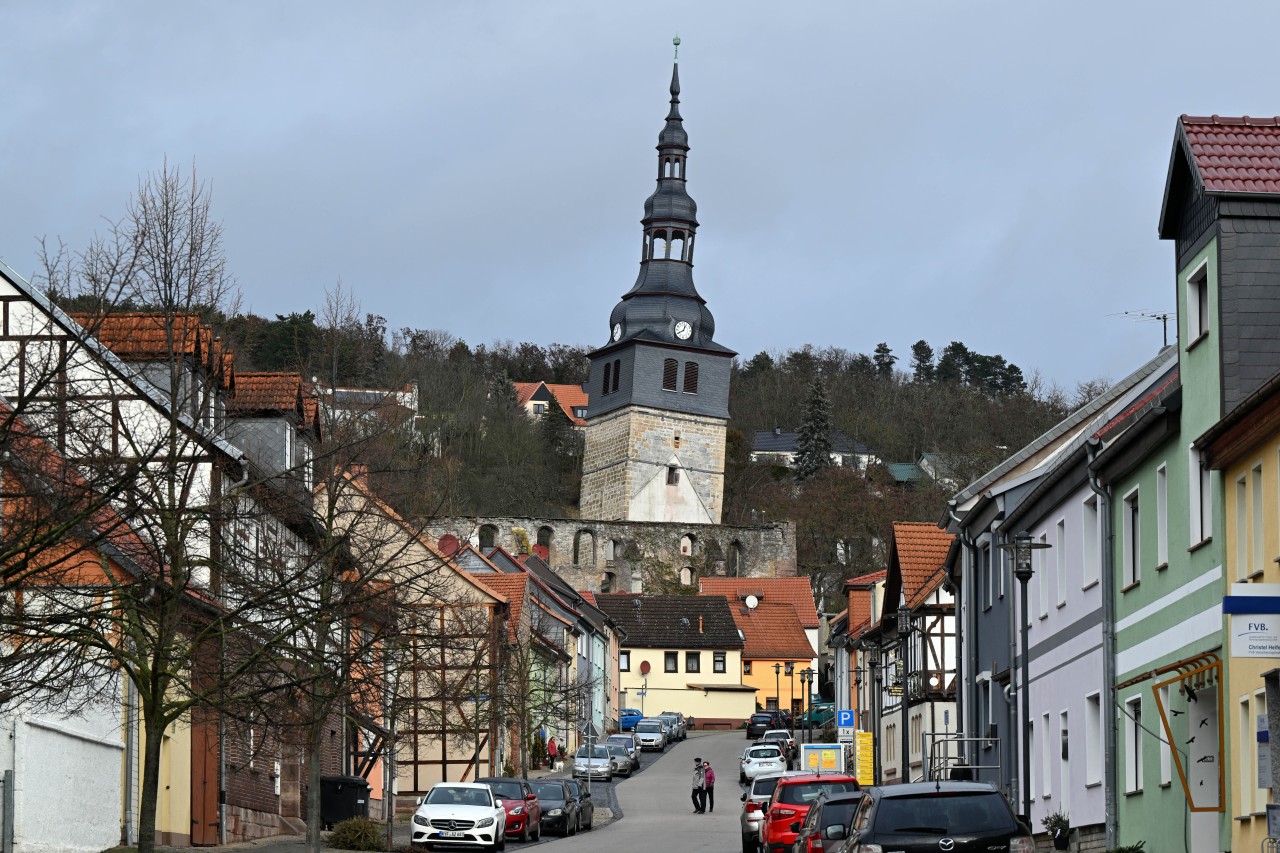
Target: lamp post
x: 777, y: 685
x: 1022, y: 546
x: 873, y: 663
x: 806, y: 679
x: 904, y: 649
x: 791, y: 709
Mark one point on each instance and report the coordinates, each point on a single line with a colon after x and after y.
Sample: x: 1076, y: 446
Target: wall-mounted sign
x: 1255, y: 620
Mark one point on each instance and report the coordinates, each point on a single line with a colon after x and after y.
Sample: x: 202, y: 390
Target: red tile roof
x: 569, y: 397
x: 275, y: 392
x: 859, y: 595
x: 920, y: 549
x: 149, y: 336
x: 771, y: 630
x: 1235, y: 155
x: 794, y: 591
x: 514, y: 587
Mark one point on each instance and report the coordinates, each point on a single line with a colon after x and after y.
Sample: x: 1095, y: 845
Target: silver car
x: 629, y: 742
x: 678, y: 729
x: 652, y: 734
x: 593, y: 762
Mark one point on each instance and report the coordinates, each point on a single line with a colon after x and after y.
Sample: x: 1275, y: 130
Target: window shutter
x: 691, y: 377
x: 669, y: 369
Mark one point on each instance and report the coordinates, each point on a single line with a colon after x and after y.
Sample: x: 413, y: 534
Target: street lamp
x: 791, y: 709
x: 806, y: 679
x: 873, y: 663
x: 1022, y: 546
x: 904, y: 649
x: 777, y: 685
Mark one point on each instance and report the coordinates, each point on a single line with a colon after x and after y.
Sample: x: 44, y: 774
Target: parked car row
x: 802, y: 812
x: 486, y: 812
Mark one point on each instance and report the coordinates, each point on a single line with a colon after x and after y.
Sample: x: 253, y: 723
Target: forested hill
x: 966, y: 407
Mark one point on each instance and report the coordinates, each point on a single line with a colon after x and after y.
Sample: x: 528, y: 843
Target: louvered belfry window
x: 608, y: 372
x: 691, y: 377
x: 617, y: 372
x: 669, y: 369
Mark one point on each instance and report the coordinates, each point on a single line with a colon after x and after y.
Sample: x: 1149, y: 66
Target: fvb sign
x: 1255, y: 620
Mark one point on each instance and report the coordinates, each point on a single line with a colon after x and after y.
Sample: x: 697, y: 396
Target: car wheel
x: 527, y: 835
x: 501, y: 843
x: 748, y: 844
x: 537, y: 835
x: 587, y: 828
x: 742, y: 778
x: 609, y: 778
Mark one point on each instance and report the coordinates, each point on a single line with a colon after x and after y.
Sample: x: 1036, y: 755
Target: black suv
x: 932, y: 816
x: 761, y: 721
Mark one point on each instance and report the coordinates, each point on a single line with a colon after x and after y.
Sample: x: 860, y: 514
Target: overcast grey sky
x: 989, y: 172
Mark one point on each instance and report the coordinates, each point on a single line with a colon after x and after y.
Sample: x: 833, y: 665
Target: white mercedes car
x: 460, y: 814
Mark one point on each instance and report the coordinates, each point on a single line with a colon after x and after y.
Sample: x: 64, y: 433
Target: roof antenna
x: 1162, y: 316
x: 676, y: 42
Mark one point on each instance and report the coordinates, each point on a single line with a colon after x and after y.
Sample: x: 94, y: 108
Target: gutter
x: 964, y: 615
x: 1110, y: 719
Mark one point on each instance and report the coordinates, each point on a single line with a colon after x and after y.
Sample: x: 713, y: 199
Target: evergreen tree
x: 884, y: 359
x: 956, y: 363
x: 813, y: 444
x: 922, y: 361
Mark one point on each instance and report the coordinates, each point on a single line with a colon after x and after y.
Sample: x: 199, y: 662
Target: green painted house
x: 1171, y: 772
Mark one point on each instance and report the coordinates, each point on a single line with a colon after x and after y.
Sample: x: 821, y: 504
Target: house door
x: 204, y: 779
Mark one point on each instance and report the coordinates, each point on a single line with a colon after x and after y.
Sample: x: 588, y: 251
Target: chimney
x: 777, y: 430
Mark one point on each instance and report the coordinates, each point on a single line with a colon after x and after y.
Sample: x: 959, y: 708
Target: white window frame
x: 1064, y: 764
x: 1197, y: 322
x: 1131, y: 539
x: 1245, y: 766
x: 1060, y: 559
x: 1200, y: 487
x: 1166, y: 751
x: 1043, y: 578
x: 1046, y: 757
x: 1257, y: 555
x: 1162, y: 515
x: 1242, y: 527
x: 1090, y: 542
x: 1093, y: 739
x: 1133, y: 745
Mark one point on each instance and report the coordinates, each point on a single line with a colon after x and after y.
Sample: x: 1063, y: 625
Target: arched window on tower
x: 658, y: 245
x: 669, y: 369
x: 687, y: 575
x: 677, y: 245
x: 617, y: 373
x: 546, y: 544
x: 488, y: 537
x: 691, y: 377
x: 686, y: 545
x: 608, y: 373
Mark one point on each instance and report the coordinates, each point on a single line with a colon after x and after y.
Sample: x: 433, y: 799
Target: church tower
x: 659, y: 388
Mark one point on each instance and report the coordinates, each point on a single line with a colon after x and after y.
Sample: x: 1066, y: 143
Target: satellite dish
x: 752, y: 602
x: 448, y: 544
x: 644, y: 667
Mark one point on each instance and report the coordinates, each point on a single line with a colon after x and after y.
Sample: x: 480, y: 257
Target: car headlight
x: 554, y: 813
x: 420, y: 820
x: 518, y: 810
x: 485, y: 822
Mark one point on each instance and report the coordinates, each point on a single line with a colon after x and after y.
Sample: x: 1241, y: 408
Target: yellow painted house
x: 1245, y: 447
x: 680, y: 653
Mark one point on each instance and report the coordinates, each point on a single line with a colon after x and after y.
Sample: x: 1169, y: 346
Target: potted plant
x: 1059, y: 828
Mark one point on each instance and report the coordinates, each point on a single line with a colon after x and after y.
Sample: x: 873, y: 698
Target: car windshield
x: 765, y: 752
x: 764, y: 787
x: 589, y: 752
x: 945, y: 813
x: 548, y: 790
x: 621, y: 740
x: 804, y: 793
x: 449, y: 795
x: 776, y: 734
x: 615, y: 749
x: 506, y: 790
x: 649, y: 727
x: 759, y: 719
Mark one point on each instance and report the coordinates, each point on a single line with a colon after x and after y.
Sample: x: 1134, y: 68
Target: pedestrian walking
x: 709, y: 786
x: 699, y: 787
x: 552, y: 749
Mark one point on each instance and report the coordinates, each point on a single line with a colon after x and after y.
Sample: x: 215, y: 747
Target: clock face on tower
x: 617, y: 331
x: 683, y: 330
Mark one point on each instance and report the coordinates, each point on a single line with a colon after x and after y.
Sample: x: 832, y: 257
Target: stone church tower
x: 659, y: 388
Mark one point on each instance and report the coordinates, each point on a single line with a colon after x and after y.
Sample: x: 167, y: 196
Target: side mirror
x: 530, y: 797
x: 744, y: 796
x: 586, y: 795
x: 835, y: 832
x: 498, y: 803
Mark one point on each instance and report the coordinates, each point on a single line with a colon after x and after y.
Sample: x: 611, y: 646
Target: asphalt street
x: 655, y: 807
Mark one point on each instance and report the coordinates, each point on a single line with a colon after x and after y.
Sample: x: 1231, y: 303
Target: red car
x: 790, y: 804
x: 524, y: 812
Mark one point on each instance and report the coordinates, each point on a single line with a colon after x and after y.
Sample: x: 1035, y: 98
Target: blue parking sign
x: 845, y: 719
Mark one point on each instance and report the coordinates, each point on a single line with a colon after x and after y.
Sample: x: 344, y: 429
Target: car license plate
x: 451, y: 833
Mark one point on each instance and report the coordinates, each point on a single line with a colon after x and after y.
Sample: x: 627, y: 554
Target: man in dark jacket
x: 699, y: 787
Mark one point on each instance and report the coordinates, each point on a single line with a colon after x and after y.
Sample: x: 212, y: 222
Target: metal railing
x: 945, y: 756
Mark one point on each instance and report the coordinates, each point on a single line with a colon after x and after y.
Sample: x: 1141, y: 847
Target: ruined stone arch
x: 584, y: 548
x: 487, y: 536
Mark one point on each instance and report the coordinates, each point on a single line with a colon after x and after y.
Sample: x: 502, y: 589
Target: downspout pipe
x: 963, y: 613
x: 1110, y: 719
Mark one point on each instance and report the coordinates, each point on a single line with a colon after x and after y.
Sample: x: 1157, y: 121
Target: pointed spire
x: 674, y: 114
